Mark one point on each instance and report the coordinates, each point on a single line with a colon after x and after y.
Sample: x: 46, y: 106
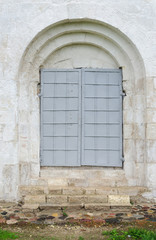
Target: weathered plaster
x: 120, y: 33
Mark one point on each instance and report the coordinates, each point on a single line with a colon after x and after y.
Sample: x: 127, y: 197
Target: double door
x: 81, y: 117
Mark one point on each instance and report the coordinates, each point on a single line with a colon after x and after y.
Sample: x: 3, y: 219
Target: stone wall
x: 37, y: 34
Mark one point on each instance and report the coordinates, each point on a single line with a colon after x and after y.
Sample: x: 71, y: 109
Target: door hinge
x: 123, y: 94
x: 39, y: 94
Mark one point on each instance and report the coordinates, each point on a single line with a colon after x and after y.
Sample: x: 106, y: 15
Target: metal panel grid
x: 102, y: 117
x: 81, y: 117
x: 60, y: 117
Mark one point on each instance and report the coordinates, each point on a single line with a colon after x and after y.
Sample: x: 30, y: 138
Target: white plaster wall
x: 20, y: 22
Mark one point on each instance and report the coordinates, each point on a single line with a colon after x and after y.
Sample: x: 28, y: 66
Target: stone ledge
x: 68, y: 206
x: 77, y: 199
x: 30, y: 206
x: 120, y: 208
x: 60, y: 190
x: 97, y: 207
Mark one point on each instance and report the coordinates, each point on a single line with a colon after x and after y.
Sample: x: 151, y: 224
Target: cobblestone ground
x: 14, y: 213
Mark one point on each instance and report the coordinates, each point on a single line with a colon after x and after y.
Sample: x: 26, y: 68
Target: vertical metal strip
x: 79, y: 117
x: 41, y: 117
x: 107, y: 124
x: 95, y: 117
x: 82, y: 117
x: 66, y: 152
x: 54, y: 161
x: 121, y: 116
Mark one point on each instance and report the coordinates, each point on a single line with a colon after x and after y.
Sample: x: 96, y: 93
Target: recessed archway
x: 113, y: 49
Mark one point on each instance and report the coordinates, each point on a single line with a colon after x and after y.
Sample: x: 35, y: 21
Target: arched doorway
x: 85, y: 44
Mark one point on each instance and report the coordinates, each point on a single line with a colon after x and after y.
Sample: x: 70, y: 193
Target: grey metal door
x: 81, y: 117
x: 60, y: 117
x: 101, y: 117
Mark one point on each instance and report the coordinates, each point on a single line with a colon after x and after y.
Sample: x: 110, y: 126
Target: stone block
x: 30, y: 206
x: 64, y: 172
x: 131, y: 191
x: 140, y: 150
x: 139, y: 116
x: 24, y: 172
x: 49, y: 207
x: 78, y: 199
x: 90, y: 191
x: 31, y: 190
x: 106, y: 191
x: 151, y: 131
x: 96, y: 207
x: 53, y: 191
x: 39, y: 182
x: 128, y: 131
x: 104, y: 182
x: 151, y: 150
x: 139, y: 131
x: 72, y: 207
x: 73, y: 191
x: 121, y: 208
x: 1, y: 191
x: 97, y: 199
x: 128, y: 102
x: 139, y: 102
x: 151, y: 115
x: 140, y: 176
x: 58, y: 182
x: 56, y: 199
x: 34, y: 167
x: 151, y: 175
x: 119, y: 199
x: 151, y: 101
x: 129, y: 149
x: 128, y: 116
x: 34, y: 199
x: 77, y: 182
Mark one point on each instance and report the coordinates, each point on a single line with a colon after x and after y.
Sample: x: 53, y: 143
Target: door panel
x: 60, y: 121
x: 81, y: 117
x: 101, y: 117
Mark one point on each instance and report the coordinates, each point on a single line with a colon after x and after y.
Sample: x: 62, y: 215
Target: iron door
x: 60, y: 117
x: 81, y: 117
x: 101, y: 117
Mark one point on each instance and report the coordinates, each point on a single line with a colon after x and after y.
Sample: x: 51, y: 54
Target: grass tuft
x: 132, y: 233
x: 81, y: 238
x: 7, y: 235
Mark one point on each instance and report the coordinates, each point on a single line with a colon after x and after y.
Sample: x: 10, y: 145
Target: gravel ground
x: 73, y: 231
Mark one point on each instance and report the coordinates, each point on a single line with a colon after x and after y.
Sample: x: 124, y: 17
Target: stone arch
x: 122, y: 53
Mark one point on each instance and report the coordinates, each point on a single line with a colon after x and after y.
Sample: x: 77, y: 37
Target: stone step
x: 59, y: 199
x: 88, y: 206
x: 53, y: 190
x: 80, y: 199
x: 77, y: 199
x: 48, y: 206
x: 107, y: 207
